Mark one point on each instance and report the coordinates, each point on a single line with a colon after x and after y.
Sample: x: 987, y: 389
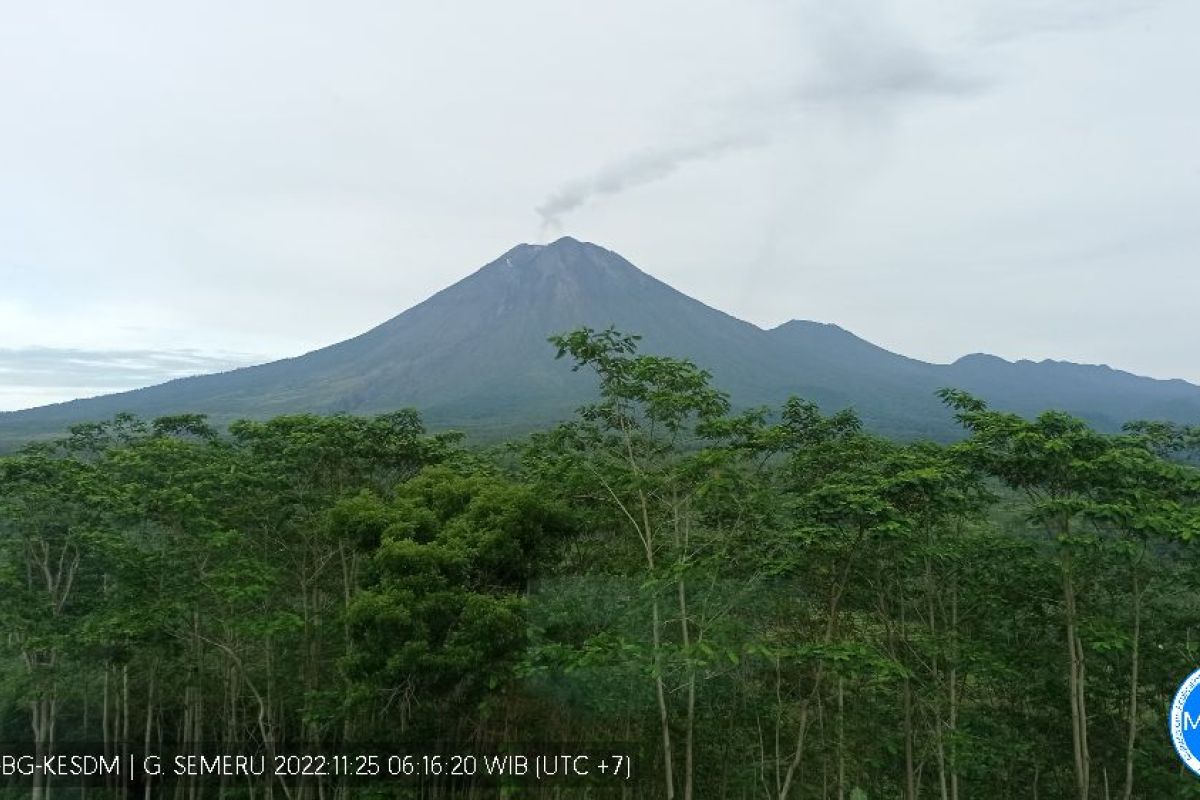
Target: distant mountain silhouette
x: 475, y: 356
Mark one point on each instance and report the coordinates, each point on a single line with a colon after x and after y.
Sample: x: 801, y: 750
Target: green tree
x: 1083, y: 488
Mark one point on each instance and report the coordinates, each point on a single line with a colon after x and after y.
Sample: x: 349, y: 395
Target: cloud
x: 857, y: 60
x: 1003, y: 21
x: 108, y: 370
x: 865, y: 53
x: 880, y: 66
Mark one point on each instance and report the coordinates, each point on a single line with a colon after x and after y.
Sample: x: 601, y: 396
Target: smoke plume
x: 637, y: 169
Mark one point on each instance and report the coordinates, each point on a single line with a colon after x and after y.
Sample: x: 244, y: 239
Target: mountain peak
x: 564, y: 246
x: 565, y: 259
x: 808, y: 325
x: 570, y: 247
x: 476, y: 355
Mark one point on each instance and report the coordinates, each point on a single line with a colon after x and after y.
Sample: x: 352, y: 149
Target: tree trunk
x: 39, y: 722
x: 954, y: 693
x: 690, y: 723
x: 1131, y: 738
x: 148, y: 728
x: 125, y: 720
x: 104, y: 729
x: 910, y: 775
x: 835, y: 601
x: 661, y: 695
x: 1075, y: 685
x: 685, y: 635
x: 656, y: 640
x: 841, y: 739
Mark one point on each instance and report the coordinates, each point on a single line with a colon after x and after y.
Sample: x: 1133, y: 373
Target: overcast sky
x: 186, y: 186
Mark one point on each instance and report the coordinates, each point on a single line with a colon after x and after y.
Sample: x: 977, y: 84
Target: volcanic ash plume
x: 637, y: 169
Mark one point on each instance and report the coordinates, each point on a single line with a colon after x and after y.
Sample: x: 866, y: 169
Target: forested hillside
x: 757, y: 604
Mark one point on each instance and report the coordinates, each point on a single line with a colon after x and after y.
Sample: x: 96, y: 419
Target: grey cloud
x: 108, y: 369
x: 857, y: 69
x: 860, y: 53
x: 859, y: 60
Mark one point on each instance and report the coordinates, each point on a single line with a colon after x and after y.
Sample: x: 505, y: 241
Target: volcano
x: 474, y: 356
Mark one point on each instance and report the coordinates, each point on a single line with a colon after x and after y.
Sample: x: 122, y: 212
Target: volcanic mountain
x: 474, y: 356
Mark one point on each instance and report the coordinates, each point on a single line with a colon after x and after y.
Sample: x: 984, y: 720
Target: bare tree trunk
x: 939, y: 722
x: 798, y: 753
x: 689, y: 730
x: 148, y: 729
x: 898, y: 641
x: 39, y: 722
x: 185, y: 727
x: 841, y: 736
x: 125, y: 720
x: 954, y: 693
x: 656, y: 639
x: 910, y: 775
x: 349, y: 581
x: 104, y: 729
x: 1075, y: 680
x: 661, y: 695
x: 196, y: 733
x: 681, y: 547
x: 87, y: 696
x: 1131, y: 738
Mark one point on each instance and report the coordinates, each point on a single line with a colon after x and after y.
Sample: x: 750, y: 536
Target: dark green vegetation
x: 474, y: 357
x: 782, y: 607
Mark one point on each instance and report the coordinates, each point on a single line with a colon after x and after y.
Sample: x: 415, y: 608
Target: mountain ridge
x: 474, y: 355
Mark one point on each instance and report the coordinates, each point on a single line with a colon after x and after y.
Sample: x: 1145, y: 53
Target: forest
x: 752, y: 603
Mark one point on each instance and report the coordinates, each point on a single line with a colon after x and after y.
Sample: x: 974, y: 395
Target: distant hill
x: 474, y: 356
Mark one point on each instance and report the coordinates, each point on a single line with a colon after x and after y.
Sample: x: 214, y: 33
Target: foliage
x: 760, y: 603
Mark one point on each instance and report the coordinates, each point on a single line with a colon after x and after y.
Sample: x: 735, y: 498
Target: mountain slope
x: 475, y: 356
